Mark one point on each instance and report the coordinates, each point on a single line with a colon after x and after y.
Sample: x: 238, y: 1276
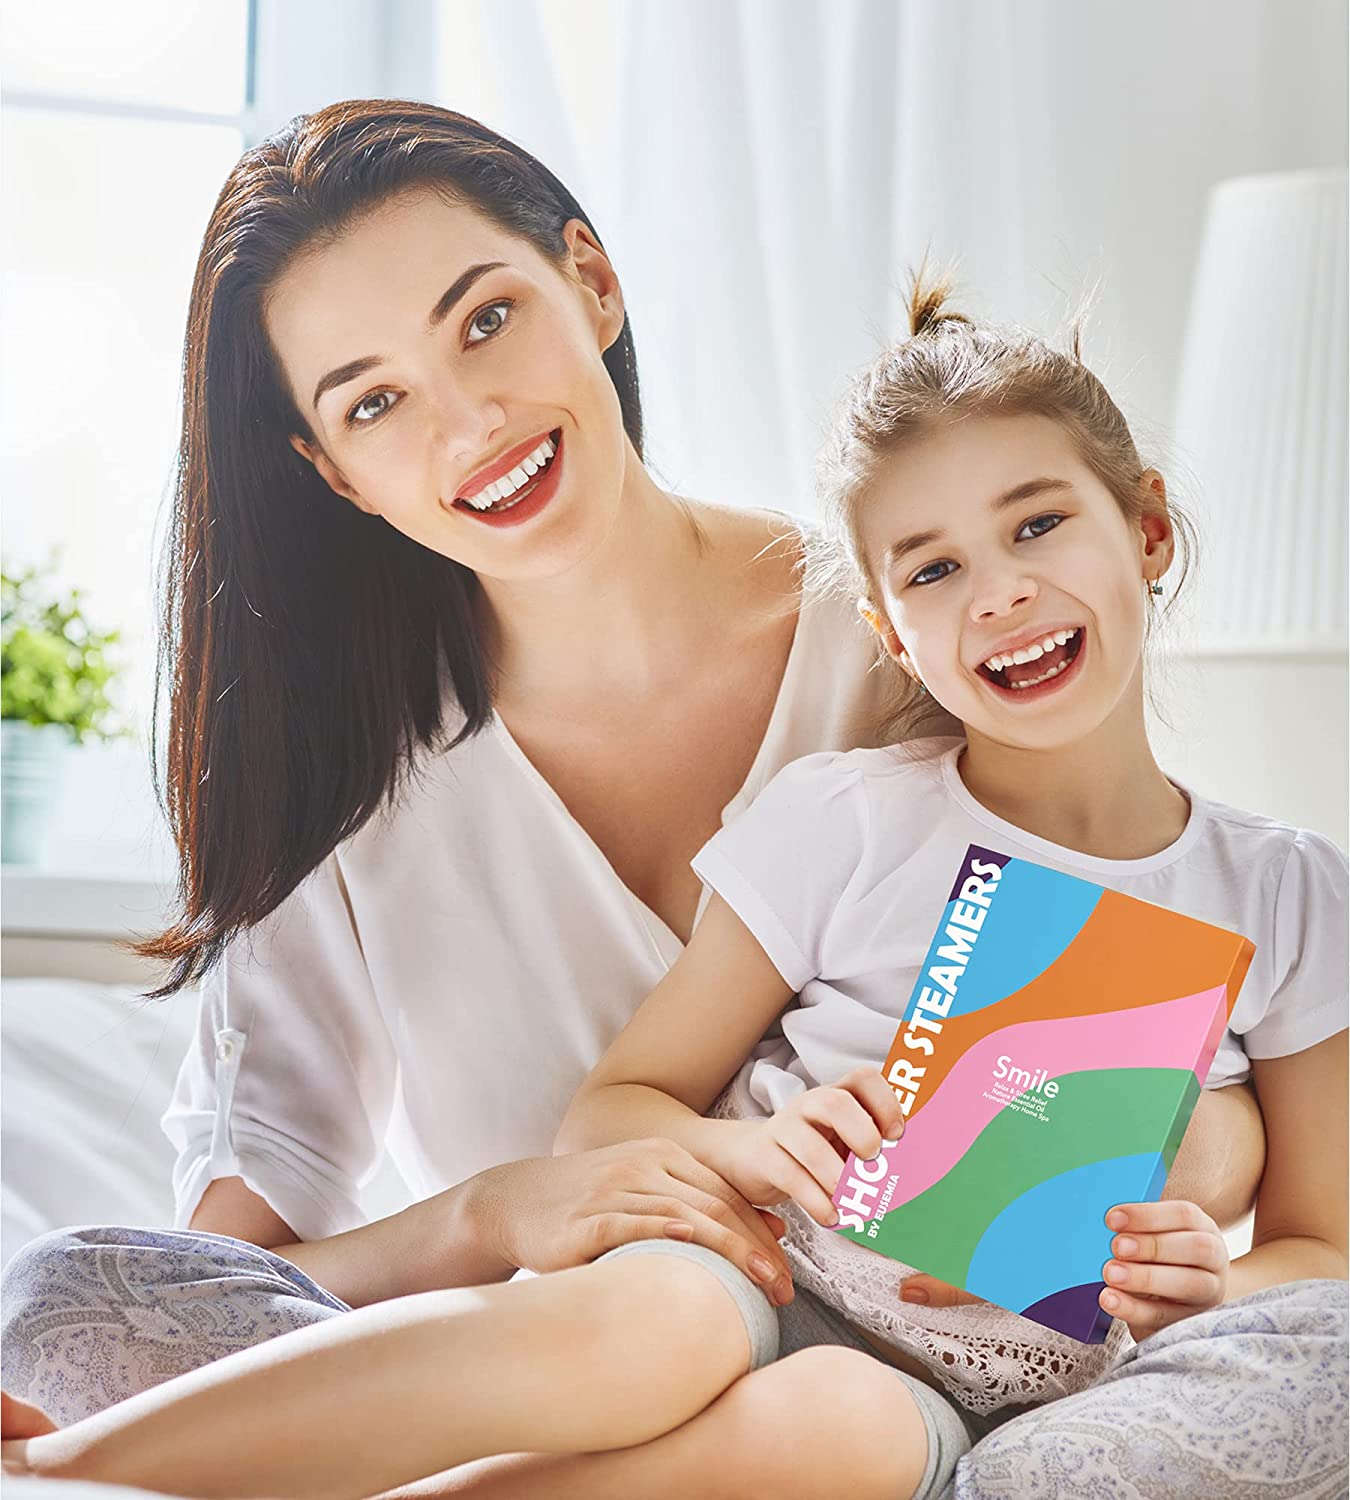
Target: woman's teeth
x: 490, y: 496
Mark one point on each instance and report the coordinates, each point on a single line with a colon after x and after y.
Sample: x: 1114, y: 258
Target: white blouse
x: 443, y: 982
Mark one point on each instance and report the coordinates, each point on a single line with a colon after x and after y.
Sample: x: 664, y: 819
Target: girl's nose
x: 996, y: 596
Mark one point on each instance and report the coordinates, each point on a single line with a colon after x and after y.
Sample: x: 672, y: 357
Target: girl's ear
x: 1155, y: 525
x: 329, y: 472
x: 880, y: 621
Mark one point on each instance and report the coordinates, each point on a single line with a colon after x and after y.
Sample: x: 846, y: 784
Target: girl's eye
x: 488, y: 321
x: 920, y: 576
x: 1032, y: 529
x: 1053, y: 518
x: 370, y: 408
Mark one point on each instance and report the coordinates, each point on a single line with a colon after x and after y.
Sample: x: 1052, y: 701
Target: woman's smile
x: 517, y: 486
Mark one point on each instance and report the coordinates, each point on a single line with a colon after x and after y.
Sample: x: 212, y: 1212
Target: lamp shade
x: 1261, y: 415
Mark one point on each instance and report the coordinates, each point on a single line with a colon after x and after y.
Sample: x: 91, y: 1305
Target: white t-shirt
x: 449, y: 975
x: 841, y: 869
x: 843, y: 865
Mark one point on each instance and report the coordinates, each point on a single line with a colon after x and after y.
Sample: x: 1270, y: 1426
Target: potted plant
x: 53, y: 682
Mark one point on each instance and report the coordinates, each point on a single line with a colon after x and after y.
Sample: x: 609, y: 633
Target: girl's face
x: 990, y: 536
x: 436, y: 359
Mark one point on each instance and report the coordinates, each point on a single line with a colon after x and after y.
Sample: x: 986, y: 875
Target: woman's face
x: 991, y: 535
x: 435, y: 356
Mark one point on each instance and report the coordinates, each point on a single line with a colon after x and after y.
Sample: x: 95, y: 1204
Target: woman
x: 457, y: 692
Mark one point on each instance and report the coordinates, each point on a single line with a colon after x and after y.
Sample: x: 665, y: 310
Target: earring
x: 1153, y: 588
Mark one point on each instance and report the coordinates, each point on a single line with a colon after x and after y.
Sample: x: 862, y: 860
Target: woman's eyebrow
x: 438, y: 314
x: 1014, y: 496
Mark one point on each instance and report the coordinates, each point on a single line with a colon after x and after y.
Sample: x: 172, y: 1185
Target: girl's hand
x: 1178, y: 1265
x: 928, y: 1291
x: 800, y: 1151
x: 549, y: 1213
x: 20, y: 1421
x: 1171, y: 1261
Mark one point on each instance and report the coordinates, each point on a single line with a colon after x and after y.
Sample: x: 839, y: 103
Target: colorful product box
x: 1047, y: 1062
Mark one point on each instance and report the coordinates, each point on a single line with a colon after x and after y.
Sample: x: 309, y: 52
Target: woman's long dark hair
x: 307, y: 645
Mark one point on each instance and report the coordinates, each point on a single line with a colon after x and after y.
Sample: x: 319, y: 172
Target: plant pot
x: 32, y: 770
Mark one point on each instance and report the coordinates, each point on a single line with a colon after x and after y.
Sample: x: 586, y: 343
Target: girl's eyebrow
x: 354, y: 368
x: 1014, y: 496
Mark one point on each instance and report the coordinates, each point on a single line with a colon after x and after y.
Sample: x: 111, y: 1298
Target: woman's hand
x: 1170, y: 1261
x: 548, y: 1213
x: 800, y: 1151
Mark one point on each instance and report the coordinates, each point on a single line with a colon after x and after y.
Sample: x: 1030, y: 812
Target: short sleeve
x: 784, y: 863
x: 289, y: 1080
x: 1308, y: 950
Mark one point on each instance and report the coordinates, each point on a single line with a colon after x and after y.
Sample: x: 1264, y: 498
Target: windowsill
x: 108, y: 868
x: 41, y: 901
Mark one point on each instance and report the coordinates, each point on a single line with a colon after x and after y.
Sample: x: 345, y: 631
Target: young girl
x: 1010, y: 546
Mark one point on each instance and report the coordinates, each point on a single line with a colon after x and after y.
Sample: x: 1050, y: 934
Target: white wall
x: 1259, y: 732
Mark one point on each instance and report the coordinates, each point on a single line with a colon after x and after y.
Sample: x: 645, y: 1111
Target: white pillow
x: 87, y: 1070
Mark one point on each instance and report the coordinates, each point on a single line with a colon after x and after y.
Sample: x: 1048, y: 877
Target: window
x: 120, y: 124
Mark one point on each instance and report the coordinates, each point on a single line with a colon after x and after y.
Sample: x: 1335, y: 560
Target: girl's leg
x: 608, y: 1355
x: 818, y: 1424
x: 94, y: 1315
x: 1247, y: 1400
x: 829, y: 1418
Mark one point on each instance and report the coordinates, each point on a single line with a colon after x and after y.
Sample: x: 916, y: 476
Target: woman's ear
x: 597, y: 277
x: 329, y: 472
x: 880, y: 621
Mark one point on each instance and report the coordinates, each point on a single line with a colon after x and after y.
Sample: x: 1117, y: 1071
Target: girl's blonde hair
x: 951, y: 368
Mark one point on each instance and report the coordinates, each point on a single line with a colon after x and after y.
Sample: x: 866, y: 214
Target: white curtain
x: 764, y: 172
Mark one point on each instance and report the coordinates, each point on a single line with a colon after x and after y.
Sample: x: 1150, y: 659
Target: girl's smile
x: 1044, y: 664
x: 1011, y: 579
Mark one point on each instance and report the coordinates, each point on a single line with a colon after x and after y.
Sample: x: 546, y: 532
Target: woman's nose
x: 466, y: 426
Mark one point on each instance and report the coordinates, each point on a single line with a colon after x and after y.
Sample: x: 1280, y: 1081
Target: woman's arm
x: 1300, y: 1228
x: 683, y: 1046
x: 543, y: 1213
x: 448, y: 1240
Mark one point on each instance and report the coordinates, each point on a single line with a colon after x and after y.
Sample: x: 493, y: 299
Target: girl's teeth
x: 1044, y: 677
x: 1030, y: 653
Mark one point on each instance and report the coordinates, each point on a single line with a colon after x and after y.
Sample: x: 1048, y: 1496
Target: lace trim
x: 984, y: 1357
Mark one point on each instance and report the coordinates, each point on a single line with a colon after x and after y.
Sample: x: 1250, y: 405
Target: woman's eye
x: 1035, y: 521
x: 487, y: 321
x: 923, y: 575
x: 370, y: 408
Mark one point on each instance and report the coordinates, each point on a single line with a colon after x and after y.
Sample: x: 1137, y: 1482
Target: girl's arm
x: 683, y: 1046
x: 1300, y: 1228
x: 678, y: 1052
